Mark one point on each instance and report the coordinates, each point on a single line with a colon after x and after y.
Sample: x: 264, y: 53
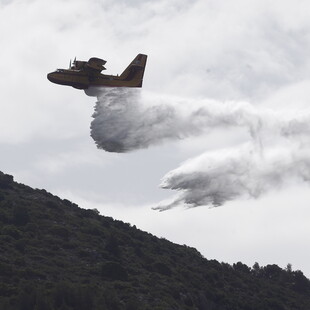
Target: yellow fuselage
x: 83, y: 80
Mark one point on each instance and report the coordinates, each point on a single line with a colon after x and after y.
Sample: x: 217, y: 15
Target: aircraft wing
x: 95, y: 64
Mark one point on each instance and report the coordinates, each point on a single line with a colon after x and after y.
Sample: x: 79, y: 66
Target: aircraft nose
x: 52, y: 77
x: 49, y: 77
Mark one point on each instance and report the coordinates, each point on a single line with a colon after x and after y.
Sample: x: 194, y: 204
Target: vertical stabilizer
x: 133, y: 74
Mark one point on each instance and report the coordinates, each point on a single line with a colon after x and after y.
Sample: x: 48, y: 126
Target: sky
x: 217, y: 139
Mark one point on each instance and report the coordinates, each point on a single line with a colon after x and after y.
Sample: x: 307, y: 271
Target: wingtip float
x: 86, y: 74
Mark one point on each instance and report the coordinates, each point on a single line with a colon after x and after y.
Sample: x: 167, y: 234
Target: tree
x: 112, y: 246
x: 289, y: 268
x: 20, y: 216
x: 114, y: 271
x: 256, y: 269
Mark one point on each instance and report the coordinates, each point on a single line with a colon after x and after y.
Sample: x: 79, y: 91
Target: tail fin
x: 135, y: 71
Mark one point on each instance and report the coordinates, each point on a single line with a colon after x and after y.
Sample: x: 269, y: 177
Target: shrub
x: 6, y: 180
x: 162, y: 269
x: 114, y: 271
x: 20, y: 216
x: 12, y: 231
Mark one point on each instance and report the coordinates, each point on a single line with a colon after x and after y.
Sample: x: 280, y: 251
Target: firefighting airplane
x: 86, y: 74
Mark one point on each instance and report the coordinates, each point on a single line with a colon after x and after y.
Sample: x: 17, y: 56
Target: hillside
x: 55, y: 255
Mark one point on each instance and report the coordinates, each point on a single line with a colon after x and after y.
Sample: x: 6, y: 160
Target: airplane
x: 86, y: 74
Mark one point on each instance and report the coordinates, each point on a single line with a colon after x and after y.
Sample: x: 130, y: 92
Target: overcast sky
x: 244, y: 65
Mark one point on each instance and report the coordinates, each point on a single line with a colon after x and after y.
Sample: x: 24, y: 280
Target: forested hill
x: 55, y: 255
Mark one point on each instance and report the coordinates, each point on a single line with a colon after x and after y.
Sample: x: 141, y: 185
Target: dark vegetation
x: 55, y: 255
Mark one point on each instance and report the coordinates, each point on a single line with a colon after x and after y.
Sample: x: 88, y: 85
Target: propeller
x: 70, y: 64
